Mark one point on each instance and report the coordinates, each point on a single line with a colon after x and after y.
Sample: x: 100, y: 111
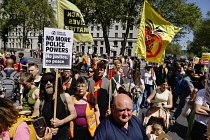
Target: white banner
x: 57, y: 49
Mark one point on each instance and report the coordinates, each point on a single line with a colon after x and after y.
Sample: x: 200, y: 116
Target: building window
x: 83, y: 49
x: 116, y: 35
x: 92, y: 28
x: 124, y: 28
x: 95, y: 42
x: 117, y: 21
x: 131, y: 27
x: 116, y: 27
x: 101, y: 50
x: 123, y: 35
x: 92, y: 34
x: 115, y: 43
x: 98, y: 28
x: 102, y: 43
x: 129, y: 52
x: 130, y: 44
x: 77, y: 49
x: 131, y: 35
x: 97, y: 34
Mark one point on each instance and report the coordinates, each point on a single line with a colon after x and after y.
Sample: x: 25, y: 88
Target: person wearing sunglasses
x: 29, y: 95
x: 45, y: 107
x: 90, y: 72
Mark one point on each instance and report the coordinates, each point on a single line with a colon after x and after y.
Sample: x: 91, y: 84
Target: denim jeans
x: 139, y: 101
x: 148, y: 90
x: 183, y: 98
x: 85, y: 67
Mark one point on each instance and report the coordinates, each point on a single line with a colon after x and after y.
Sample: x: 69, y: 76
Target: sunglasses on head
x: 50, y: 80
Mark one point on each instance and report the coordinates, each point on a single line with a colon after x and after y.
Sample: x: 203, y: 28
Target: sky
x: 204, y: 5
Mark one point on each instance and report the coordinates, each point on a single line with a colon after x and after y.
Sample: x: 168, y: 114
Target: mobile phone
x: 39, y: 126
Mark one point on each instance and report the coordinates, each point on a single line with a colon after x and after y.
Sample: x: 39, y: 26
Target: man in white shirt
x: 201, y: 117
x: 149, y: 79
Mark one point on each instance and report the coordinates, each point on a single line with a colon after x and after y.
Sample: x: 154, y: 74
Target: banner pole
x: 55, y: 93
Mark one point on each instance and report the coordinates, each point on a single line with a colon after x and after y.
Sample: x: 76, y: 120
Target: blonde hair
x: 115, y: 67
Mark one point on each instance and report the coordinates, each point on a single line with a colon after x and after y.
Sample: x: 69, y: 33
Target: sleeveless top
x: 161, y: 97
x: 47, y: 113
x: 81, y: 115
x: 28, y: 100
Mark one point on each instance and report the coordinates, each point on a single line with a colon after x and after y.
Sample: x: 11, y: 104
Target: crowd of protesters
x: 114, y: 98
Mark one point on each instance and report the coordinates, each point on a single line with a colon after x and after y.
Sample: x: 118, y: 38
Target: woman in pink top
x: 8, y: 116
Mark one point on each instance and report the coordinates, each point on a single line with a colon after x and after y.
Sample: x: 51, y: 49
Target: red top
x: 97, y: 86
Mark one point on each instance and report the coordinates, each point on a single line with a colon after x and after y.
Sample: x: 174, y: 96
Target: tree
x: 169, y: 10
x: 174, y: 49
x: 201, y: 42
x: 31, y: 15
x: 104, y: 12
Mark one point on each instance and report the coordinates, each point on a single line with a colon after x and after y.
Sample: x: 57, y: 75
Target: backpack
x: 8, y: 83
x: 28, y: 120
x: 178, y: 88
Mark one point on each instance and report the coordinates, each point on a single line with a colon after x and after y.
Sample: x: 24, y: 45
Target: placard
x: 196, y: 60
x: 57, y: 49
x: 205, y: 56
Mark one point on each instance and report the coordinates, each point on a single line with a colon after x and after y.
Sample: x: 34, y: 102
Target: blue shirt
x: 186, y: 86
x: 24, y: 61
x: 110, y: 130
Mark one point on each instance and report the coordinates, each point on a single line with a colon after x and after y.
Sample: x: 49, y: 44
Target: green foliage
x: 179, y: 13
x: 31, y: 15
x: 174, y: 49
x: 201, y: 42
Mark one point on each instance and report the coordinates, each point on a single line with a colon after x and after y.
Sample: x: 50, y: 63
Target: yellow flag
x: 155, y: 33
x: 70, y: 18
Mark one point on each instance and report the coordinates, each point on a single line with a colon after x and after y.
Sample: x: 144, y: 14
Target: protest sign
x: 205, y: 56
x: 57, y: 50
x: 195, y: 60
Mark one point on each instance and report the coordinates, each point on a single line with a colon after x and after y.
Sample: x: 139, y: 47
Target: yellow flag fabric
x: 70, y: 18
x: 155, y: 33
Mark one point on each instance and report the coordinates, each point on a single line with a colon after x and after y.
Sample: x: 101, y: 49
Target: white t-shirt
x: 200, y: 99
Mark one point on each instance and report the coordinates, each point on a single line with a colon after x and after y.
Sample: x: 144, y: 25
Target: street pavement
x: 177, y: 131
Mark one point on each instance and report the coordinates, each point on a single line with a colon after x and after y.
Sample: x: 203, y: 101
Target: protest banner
x: 57, y: 50
x: 205, y: 56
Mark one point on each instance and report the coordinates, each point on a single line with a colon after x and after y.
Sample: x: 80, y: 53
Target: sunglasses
x: 50, y: 80
x: 90, y: 71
